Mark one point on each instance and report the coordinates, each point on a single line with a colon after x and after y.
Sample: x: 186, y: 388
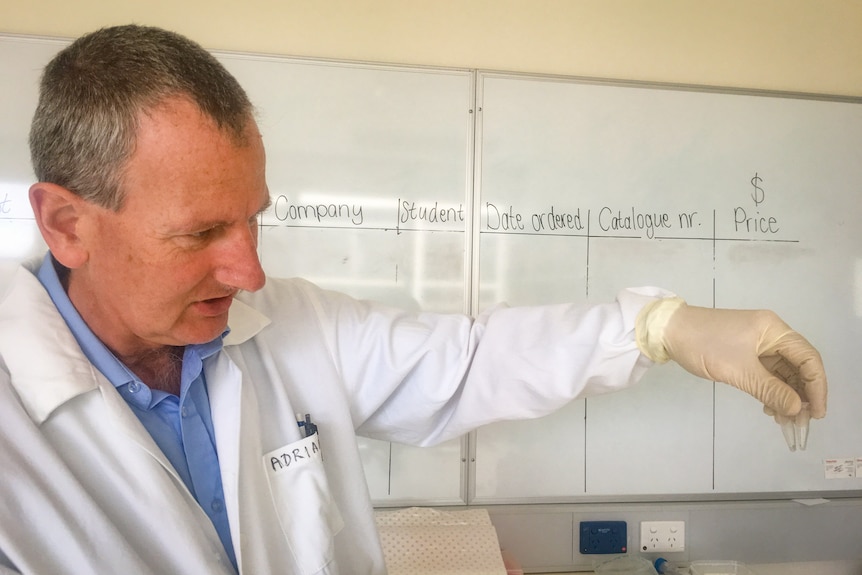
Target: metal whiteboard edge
x: 647, y: 506
x: 501, y: 73
x: 693, y: 498
x: 670, y: 86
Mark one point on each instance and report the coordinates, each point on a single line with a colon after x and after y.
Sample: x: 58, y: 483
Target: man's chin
x: 201, y: 331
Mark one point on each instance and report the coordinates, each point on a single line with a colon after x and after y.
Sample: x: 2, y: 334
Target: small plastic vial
x: 795, y: 429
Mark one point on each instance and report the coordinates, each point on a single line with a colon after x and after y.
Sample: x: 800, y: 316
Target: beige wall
x: 794, y: 45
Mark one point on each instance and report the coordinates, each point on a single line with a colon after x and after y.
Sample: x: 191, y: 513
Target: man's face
x: 164, y: 269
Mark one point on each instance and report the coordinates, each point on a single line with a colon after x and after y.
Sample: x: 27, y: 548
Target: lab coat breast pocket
x: 308, y: 515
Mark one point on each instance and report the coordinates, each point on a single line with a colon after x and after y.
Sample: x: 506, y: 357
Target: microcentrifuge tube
x: 795, y: 429
x: 800, y: 425
x: 789, y: 431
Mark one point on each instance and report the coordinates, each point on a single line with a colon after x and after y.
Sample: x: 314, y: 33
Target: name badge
x: 294, y: 455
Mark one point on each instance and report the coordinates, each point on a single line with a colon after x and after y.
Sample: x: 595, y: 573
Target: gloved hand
x: 754, y: 351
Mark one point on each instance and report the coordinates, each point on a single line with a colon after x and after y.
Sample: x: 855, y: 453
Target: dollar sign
x: 758, y: 195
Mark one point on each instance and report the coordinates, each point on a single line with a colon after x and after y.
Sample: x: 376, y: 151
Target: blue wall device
x: 603, y: 537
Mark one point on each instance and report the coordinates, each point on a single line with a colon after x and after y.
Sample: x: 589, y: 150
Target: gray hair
x: 93, y: 92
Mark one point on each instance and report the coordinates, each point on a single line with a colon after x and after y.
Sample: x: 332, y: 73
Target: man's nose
x: 240, y: 267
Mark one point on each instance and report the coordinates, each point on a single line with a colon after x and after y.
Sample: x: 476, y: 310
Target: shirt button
x: 217, y: 505
x: 184, y: 411
x: 134, y: 387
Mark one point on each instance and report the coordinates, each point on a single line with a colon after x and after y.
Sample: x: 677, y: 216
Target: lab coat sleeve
x: 425, y: 378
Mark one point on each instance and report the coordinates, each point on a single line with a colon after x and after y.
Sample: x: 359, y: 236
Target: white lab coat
x: 86, y: 489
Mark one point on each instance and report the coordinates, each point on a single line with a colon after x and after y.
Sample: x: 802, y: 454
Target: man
x: 151, y: 374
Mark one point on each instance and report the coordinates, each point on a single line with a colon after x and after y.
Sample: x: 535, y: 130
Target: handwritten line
x: 362, y: 228
x: 543, y: 234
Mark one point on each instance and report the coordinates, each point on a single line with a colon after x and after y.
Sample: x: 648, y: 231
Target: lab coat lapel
x: 234, y: 411
x: 224, y: 385
x: 236, y: 418
x: 44, y: 376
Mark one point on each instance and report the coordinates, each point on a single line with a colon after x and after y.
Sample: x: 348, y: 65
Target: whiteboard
x: 21, y: 63
x: 394, y: 183
x: 369, y: 170
x: 731, y: 200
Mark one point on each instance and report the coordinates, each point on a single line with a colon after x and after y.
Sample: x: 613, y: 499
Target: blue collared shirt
x: 181, y: 426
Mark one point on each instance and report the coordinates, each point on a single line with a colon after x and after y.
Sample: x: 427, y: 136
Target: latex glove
x: 754, y: 351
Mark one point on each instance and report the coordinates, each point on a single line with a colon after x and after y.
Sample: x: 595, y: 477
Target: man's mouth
x: 214, y: 307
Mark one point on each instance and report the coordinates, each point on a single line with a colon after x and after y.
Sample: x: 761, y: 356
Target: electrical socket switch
x: 662, y: 536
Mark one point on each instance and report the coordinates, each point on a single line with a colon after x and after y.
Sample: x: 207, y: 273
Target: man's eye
x: 203, y: 234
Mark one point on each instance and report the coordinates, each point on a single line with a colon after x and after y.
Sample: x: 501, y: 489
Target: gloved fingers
x: 771, y: 391
x: 781, y: 368
x: 782, y: 419
x: 779, y: 396
x: 805, y: 360
x: 779, y: 419
x: 815, y: 391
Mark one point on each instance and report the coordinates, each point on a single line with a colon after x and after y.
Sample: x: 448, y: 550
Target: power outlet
x: 662, y: 536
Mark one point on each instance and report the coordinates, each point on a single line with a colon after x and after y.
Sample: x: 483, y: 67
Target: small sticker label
x: 840, y: 468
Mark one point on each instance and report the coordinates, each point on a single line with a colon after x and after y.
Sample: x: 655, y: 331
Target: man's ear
x: 58, y: 213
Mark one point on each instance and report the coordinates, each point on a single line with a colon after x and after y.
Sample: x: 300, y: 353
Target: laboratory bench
x: 807, y: 568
